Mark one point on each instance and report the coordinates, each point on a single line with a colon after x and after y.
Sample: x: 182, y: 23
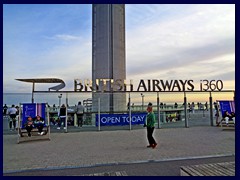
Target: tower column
x: 108, y: 53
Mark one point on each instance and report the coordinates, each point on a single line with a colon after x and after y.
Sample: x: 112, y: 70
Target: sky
x: 163, y: 41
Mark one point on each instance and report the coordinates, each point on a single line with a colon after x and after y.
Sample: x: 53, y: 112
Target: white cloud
x: 64, y: 37
x: 174, y: 42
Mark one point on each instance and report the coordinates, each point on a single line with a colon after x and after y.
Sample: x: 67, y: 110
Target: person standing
x: 206, y: 106
x: 5, y: 108
x: 150, y: 121
x: 128, y: 106
x: 80, y: 111
x: 12, y: 113
x: 192, y: 107
x: 175, y: 105
x: 62, y: 116
x: 216, y: 113
x: 54, y: 107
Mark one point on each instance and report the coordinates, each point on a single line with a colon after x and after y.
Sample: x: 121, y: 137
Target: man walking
x: 150, y: 121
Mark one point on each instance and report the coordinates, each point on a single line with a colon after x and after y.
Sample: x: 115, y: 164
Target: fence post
x: 211, y: 109
x: 48, y: 121
x: 158, y: 110
x: 19, y: 121
x: 66, y: 122
x: 130, y: 114
x: 99, y: 114
x: 203, y: 112
x: 33, y: 89
x: 185, y: 110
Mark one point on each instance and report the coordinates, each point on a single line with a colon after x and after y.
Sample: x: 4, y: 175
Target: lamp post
x: 60, y: 96
x: 142, y: 100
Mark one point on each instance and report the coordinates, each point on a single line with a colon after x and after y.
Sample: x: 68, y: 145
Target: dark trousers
x: 29, y: 129
x: 80, y: 120
x: 12, y: 122
x: 151, y: 140
x: 40, y: 127
x: 62, y: 121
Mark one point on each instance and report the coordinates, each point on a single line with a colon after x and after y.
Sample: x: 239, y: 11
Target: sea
x: 72, y: 99
x: 51, y: 98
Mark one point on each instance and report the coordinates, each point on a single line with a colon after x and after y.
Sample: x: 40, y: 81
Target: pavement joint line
x: 119, y: 163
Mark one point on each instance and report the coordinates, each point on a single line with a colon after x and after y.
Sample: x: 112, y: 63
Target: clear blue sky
x: 163, y: 41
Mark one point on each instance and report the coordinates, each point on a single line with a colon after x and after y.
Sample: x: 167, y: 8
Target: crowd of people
x: 38, y: 121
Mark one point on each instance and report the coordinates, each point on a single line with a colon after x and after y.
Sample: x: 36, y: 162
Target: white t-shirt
x: 80, y: 109
x: 12, y: 110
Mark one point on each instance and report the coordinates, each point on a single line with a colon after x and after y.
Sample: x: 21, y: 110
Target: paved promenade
x: 86, y: 149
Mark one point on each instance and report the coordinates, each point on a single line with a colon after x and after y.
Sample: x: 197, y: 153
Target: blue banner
x: 227, y: 106
x: 120, y: 119
x: 33, y: 109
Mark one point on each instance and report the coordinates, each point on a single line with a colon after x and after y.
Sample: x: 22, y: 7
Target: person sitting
x: 232, y: 117
x: 29, y: 125
x: 227, y: 116
x: 39, y: 123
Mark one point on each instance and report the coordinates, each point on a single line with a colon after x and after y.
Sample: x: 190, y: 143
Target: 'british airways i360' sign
x: 150, y: 85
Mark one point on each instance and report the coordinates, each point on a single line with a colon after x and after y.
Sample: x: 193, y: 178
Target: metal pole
x: 19, y: 121
x: 66, y: 125
x: 203, y: 111
x: 99, y: 114
x: 33, y: 88
x: 48, y: 114
x: 142, y: 100
x: 158, y: 110
x: 130, y: 114
x: 185, y: 110
x: 211, y: 109
x: 60, y: 96
x: 60, y: 101
x: 66, y: 99
x: 48, y: 121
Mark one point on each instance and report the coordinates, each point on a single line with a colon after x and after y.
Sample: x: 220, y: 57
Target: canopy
x: 46, y: 80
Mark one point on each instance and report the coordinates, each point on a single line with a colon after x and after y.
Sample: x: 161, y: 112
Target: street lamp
x: 142, y: 100
x: 60, y: 96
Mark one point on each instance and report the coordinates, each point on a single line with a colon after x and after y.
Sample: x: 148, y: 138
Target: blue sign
x: 120, y: 119
x: 33, y: 109
x: 227, y: 106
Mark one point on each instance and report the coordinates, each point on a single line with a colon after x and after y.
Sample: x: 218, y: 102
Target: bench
x: 226, y: 105
x: 224, y: 124
x: 23, y: 132
x: 33, y: 109
x: 215, y: 169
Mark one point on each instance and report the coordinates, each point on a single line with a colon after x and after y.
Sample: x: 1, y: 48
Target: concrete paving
x: 93, y: 148
x: 156, y: 168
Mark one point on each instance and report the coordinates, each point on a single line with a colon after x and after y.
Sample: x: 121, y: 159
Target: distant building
x: 108, y: 52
